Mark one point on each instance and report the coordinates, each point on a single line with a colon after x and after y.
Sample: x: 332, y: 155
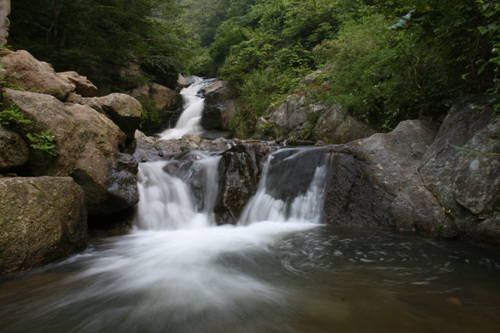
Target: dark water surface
x: 265, y: 277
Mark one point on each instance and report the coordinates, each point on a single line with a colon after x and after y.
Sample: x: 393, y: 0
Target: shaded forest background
x: 383, y: 60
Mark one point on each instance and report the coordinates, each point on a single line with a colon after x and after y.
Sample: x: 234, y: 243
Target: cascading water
x: 189, y: 121
x: 280, y: 270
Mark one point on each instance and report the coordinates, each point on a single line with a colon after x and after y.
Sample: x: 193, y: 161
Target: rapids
x: 279, y: 270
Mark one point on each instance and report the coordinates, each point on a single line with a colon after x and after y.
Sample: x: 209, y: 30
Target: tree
x: 98, y: 38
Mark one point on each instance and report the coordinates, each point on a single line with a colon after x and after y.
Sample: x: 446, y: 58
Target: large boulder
x: 159, y: 99
x: 292, y: 114
x: 42, y: 219
x: 13, y: 150
x: 22, y: 69
x: 122, y: 109
x: 375, y: 182
x: 462, y: 167
x: 90, y: 147
x: 220, y: 109
x: 335, y: 126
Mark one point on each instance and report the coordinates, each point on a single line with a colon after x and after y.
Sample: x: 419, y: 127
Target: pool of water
x: 264, y: 277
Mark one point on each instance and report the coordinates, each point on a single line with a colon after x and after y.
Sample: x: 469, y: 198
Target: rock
x: 336, y: 127
x: 43, y: 219
x: 160, y: 100
x: 89, y: 144
x: 122, y: 109
x: 375, y: 183
x: 33, y: 75
x: 220, y: 108
x: 13, y: 150
x: 462, y: 166
x: 239, y: 172
x: 83, y: 86
x: 487, y: 232
x: 291, y: 114
x: 150, y: 149
x: 213, y: 87
x: 163, y: 98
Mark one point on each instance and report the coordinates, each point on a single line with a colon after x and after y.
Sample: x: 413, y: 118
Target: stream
x: 278, y: 270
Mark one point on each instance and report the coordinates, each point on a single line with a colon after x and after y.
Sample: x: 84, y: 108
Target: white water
x: 178, y: 273
x: 306, y: 208
x: 190, y: 119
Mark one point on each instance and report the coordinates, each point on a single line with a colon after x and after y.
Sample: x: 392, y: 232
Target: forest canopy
x: 99, y: 38
x: 383, y: 60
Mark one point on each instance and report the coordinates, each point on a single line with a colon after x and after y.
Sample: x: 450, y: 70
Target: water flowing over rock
x: 124, y: 110
x: 14, y: 151
x: 90, y: 148
x: 33, y: 75
x: 239, y: 173
x: 46, y: 220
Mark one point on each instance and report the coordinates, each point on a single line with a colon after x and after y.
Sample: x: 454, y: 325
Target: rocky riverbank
x: 436, y: 179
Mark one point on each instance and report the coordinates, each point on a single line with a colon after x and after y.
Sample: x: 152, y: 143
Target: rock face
x: 83, y: 86
x: 295, y: 118
x: 289, y: 116
x: 335, y: 126
x: 124, y: 110
x: 33, y: 75
x: 239, y: 172
x: 13, y: 150
x: 220, y: 108
x: 46, y: 220
x: 89, y: 144
x: 158, y: 98
x: 462, y: 167
x: 375, y: 182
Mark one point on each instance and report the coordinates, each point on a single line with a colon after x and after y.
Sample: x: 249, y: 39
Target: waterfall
x: 301, y: 207
x: 190, y: 119
x: 180, y: 194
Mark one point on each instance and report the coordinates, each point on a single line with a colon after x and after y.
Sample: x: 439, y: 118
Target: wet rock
x: 375, y: 183
x: 239, y: 172
x: 301, y: 163
x: 150, y: 149
x: 23, y: 69
x: 13, y: 150
x: 42, y: 219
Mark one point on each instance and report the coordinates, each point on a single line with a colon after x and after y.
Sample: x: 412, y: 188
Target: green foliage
x: 13, y: 118
x: 150, y: 117
x: 99, y: 38
x: 44, y: 142
x: 164, y: 69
